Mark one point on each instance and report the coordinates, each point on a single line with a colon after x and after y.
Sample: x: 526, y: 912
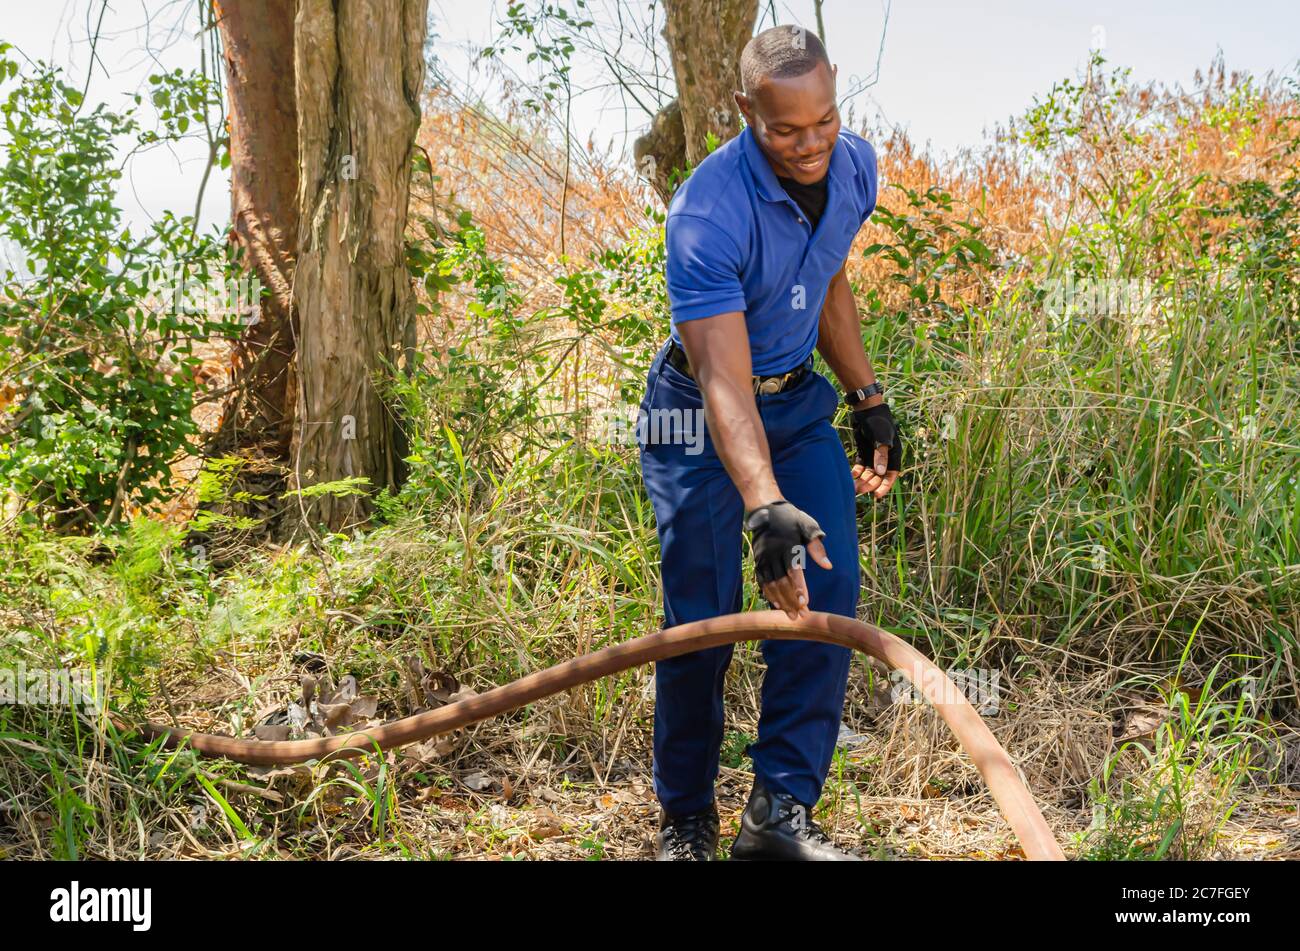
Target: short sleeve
x: 873, y: 178
x: 703, y: 269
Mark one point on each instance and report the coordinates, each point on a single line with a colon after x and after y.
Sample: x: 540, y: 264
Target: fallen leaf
x: 544, y: 824
x: 1141, y: 723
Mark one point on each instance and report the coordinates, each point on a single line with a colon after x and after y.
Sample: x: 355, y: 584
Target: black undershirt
x: 811, y: 198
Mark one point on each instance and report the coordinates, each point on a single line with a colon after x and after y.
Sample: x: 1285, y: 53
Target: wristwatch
x: 862, y: 392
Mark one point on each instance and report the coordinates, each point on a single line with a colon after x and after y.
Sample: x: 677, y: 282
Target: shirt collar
x: 765, y: 178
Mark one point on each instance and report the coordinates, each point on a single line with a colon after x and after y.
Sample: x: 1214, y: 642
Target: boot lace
x: 688, y: 836
x: 798, y: 817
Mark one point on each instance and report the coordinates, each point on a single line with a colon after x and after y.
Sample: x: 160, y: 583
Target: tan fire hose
x: 1010, y: 793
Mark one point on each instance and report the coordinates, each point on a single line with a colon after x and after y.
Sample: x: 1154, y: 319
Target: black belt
x: 762, y: 384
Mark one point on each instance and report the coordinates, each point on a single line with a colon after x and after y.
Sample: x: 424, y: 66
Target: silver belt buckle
x: 771, y: 385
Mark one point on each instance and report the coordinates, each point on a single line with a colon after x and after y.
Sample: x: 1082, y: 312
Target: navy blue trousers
x: 698, y: 512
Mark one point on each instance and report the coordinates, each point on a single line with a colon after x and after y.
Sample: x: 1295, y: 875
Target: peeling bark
x: 359, y: 70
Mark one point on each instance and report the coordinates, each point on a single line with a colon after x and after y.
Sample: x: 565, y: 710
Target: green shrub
x: 99, y: 341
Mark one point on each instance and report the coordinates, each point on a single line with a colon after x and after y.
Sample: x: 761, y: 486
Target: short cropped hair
x: 778, y: 53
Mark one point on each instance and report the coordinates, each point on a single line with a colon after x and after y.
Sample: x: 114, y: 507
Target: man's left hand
x: 880, y: 450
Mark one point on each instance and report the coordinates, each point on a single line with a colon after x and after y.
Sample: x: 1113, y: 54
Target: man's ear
x: 742, y: 103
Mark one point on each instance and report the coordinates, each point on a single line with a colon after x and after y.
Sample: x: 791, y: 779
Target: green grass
x: 1087, y: 496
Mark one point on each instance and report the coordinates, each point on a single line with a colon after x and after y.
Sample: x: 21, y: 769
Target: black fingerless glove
x: 874, y: 427
x: 776, y: 531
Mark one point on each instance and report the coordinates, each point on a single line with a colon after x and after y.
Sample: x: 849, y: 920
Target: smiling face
x: 796, y: 122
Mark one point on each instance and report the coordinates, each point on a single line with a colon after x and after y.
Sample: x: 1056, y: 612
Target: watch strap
x: 862, y: 392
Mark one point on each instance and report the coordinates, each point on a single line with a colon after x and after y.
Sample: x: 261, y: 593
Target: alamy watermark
x: 24, y: 686
x: 665, y: 426
x: 978, y: 686
x: 1089, y: 296
x: 180, y: 294
x: 78, y: 903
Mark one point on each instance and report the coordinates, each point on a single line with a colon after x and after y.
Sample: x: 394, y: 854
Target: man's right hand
x: 781, y: 536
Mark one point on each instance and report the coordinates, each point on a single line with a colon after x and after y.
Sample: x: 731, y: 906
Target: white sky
x: 951, y: 69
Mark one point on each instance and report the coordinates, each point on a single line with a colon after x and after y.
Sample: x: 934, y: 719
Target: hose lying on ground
x: 1010, y: 793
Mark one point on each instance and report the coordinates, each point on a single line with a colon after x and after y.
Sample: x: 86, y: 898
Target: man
x: 756, y: 241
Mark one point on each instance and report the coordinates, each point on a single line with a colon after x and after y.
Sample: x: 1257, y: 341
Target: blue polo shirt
x: 735, y: 240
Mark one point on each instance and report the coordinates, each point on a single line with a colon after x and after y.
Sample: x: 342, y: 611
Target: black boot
x: 777, y: 826
x: 688, y: 838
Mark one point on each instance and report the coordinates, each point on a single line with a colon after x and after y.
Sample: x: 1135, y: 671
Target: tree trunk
x: 705, y: 40
x: 257, y: 36
x: 662, y: 150
x: 359, y: 70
